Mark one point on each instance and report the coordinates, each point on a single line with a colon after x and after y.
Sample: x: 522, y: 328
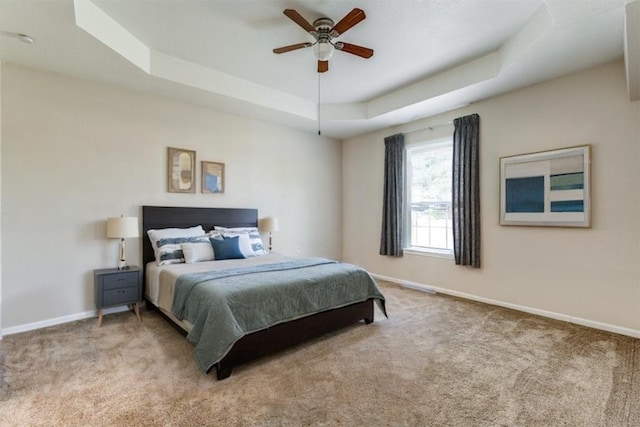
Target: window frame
x: 408, y: 247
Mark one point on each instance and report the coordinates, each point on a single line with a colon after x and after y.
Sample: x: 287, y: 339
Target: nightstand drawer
x: 120, y: 296
x: 120, y: 280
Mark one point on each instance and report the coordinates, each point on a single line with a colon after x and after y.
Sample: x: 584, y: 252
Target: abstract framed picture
x: 181, y: 170
x: 212, y: 177
x: 549, y: 188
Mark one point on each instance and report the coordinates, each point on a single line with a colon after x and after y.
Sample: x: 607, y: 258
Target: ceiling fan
x: 324, y: 31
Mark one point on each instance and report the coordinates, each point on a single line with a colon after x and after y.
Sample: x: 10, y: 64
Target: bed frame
x: 266, y: 341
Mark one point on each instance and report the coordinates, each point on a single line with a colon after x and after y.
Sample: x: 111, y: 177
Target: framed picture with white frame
x: 547, y: 188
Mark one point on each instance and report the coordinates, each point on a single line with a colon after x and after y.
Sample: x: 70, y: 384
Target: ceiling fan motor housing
x: 323, y: 24
x: 323, y: 28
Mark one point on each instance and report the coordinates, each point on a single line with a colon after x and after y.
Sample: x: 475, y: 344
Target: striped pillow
x: 166, y: 242
x: 254, y: 236
x: 215, y: 234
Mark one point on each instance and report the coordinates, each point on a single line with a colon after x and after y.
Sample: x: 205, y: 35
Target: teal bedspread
x: 225, y: 305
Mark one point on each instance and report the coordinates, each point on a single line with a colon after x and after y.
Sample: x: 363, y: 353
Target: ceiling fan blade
x: 323, y: 66
x: 298, y: 19
x: 351, y: 19
x: 354, y: 49
x: 289, y: 48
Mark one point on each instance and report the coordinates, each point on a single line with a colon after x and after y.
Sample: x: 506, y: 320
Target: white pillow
x: 235, y: 229
x: 244, y: 243
x: 254, y: 236
x: 197, y: 252
x: 166, y: 242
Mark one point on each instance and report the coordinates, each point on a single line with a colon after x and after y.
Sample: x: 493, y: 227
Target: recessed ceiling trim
x: 531, y: 31
x: 467, y: 74
x: 94, y: 21
x: 504, y: 60
x: 159, y: 64
x: 479, y: 70
x: 352, y: 111
x: 187, y: 73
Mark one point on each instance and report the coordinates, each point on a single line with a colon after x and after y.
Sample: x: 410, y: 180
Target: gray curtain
x: 466, y: 191
x: 393, y: 203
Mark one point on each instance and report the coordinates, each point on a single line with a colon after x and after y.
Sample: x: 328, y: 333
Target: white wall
x: 76, y: 152
x: 591, y: 274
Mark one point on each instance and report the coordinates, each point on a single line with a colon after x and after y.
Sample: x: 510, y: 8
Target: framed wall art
x: 181, y: 170
x: 212, y: 177
x: 549, y: 188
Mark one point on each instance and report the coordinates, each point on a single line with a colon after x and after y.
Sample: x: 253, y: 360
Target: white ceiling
x: 430, y: 56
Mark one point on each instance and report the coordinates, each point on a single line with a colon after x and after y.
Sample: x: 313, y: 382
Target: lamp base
x: 122, y: 264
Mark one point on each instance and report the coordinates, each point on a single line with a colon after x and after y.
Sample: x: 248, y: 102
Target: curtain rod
x: 432, y: 127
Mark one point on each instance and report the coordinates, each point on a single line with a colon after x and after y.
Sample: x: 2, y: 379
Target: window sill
x: 436, y: 253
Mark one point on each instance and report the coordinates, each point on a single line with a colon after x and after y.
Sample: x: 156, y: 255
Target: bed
x: 177, y: 291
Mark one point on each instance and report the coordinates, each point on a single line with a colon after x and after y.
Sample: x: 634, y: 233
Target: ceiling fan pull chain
x: 318, y: 74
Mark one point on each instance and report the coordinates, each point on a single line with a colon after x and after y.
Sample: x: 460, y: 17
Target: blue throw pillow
x: 226, y: 249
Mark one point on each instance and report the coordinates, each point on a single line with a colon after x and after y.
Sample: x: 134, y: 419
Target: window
x: 429, y: 168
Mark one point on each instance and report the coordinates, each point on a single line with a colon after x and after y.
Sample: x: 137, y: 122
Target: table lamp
x: 270, y: 224
x: 121, y: 228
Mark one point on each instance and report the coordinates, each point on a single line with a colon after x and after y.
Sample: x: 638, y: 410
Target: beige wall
x: 75, y: 153
x: 0, y: 199
x: 590, y: 274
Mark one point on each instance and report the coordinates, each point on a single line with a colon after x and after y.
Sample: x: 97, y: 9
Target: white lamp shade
x: 270, y: 224
x: 122, y: 227
x: 323, y: 51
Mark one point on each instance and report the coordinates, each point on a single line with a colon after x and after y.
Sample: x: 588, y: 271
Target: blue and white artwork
x: 212, y: 183
x: 548, y: 188
x: 212, y: 177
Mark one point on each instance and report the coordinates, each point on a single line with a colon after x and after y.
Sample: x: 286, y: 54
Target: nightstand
x: 118, y: 287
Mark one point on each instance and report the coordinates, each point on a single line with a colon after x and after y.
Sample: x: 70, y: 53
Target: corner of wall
x: 0, y: 200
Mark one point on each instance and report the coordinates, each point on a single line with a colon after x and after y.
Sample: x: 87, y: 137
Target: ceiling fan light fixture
x: 323, y: 50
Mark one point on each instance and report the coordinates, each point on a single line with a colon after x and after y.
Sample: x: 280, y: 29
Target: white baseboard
x: 413, y: 285
x: 558, y: 316
x: 58, y: 320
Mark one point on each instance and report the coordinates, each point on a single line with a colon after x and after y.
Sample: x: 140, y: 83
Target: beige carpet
x: 438, y: 361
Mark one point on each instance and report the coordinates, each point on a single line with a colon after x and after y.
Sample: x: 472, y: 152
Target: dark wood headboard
x: 154, y: 217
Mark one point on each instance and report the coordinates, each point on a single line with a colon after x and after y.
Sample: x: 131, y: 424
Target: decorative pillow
x: 244, y: 243
x: 215, y: 234
x: 166, y: 242
x: 197, y: 252
x: 226, y: 249
x: 254, y: 237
